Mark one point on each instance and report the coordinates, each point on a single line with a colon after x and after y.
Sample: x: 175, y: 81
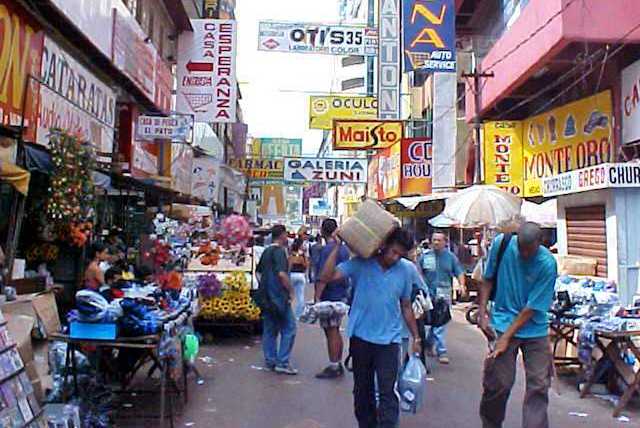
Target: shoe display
x: 288, y: 370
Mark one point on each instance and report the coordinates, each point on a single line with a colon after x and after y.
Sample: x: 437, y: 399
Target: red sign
x: 417, y: 164
x: 20, y: 55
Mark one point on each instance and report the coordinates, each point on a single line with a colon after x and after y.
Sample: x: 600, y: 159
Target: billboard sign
x: 503, y: 156
x: 334, y: 170
x: 206, y: 70
x: 174, y: 128
x: 631, y: 103
x: 417, y: 166
x: 317, y: 38
x: 389, y: 172
x: 609, y: 175
x: 366, y: 134
x: 320, y: 207
x: 429, y: 31
x: 276, y: 147
x: 389, y: 60
x: 259, y: 168
x: 324, y: 109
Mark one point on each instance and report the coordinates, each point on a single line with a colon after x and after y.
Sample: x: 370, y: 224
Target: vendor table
x: 148, y: 343
x: 563, y: 334
x: 616, y: 343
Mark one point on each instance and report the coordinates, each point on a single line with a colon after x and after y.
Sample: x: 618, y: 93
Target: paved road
x: 237, y: 395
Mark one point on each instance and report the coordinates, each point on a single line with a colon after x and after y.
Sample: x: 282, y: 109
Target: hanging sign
x: 631, y: 103
x: 389, y: 60
x: 503, y: 156
x: 417, y: 166
x: 429, y: 30
x: 174, y: 128
x: 608, y: 175
x: 317, y: 38
x: 336, y: 170
x: 320, y: 207
x: 276, y: 147
x: 206, y: 71
x: 259, y: 168
x: 324, y: 109
x: 389, y: 172
x: 366, y: 134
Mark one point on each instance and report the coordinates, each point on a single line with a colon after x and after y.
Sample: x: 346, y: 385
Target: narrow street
x: 237, y: 395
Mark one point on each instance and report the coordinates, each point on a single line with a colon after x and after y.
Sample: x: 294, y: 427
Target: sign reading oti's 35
x: 366, y: 134
x: 336, y: 170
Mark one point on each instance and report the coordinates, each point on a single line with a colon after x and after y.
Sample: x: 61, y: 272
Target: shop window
x: 587, y: 234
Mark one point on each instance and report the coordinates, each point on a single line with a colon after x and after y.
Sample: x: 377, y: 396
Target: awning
x: 37, y: 159
x: 442, y: 221
x: 15, y: 176
x: 545, y: 214
x: 412, y: 202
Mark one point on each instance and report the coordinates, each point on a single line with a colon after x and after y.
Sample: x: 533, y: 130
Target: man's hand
x: 416, y: 345
x: 501, y: 347
x: 483, y: 325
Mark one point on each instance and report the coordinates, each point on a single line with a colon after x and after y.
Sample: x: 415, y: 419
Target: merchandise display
x: 233, y: 302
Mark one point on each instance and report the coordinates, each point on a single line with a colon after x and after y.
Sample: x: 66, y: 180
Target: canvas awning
x: 15, y: 176
x: 411, y: 202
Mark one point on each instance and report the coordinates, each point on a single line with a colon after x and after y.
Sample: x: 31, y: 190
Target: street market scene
x: 319, y: 214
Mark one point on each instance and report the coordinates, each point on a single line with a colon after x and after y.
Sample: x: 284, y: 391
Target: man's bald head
x: 529, y: 239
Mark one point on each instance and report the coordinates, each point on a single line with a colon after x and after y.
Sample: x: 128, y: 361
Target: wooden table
x: 616, y: 343
x: 563, y: 333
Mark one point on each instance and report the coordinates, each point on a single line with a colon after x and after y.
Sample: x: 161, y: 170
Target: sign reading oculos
x: 336, y: 170
x: 603, y: 176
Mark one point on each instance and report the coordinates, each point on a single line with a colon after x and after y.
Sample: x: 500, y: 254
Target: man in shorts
x: 331, y: 292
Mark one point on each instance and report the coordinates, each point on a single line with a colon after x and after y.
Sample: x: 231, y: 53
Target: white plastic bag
x: 412, y: 385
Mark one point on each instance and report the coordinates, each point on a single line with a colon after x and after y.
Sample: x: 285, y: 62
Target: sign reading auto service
x: 317, y: 38
x: 334, y: 170
x: 366, y: 134
x: 207, y: 86
x: 608, y: 175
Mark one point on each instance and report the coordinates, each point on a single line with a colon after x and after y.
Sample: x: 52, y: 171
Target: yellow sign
x: 574, y: 136
x: 323, y: 110
x: 503, y: 156
x: 258, y: 168
x: 366, y: 134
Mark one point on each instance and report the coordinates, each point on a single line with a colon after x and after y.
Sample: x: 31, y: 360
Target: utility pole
x: 477, y: 122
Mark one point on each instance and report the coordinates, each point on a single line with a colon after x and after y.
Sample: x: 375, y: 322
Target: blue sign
x: 429, y: 33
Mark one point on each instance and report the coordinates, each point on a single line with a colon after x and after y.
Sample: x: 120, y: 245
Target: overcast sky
x: 276, y: 86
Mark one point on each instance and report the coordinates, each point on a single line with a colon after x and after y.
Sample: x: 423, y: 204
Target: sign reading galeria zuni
x: 335, y: 170
x: 608, y: 175
x: 317, y: 38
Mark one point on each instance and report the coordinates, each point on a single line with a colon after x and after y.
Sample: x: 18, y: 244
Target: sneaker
x: 288, y: 370
x: 270, y: 367
x: 443, y: 359
x: 331, y: 372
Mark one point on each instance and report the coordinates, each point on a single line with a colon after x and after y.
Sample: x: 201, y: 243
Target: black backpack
x: 506, y: 239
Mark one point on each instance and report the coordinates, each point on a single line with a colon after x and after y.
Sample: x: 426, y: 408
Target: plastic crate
x: 93, y: 331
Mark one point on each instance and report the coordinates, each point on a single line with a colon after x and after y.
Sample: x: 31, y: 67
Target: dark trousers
x: 500, y: 374
x: 375, y: 361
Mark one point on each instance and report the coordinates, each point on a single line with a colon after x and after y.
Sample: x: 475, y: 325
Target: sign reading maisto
x: 608, y: 175
x: 335, y: 170
x: 417, y: 166
x: 503, y: 156
x: 174, y: 128
x: 631, y: 103
x: 324, y: 109
x: 260, y: 169
x: 429, y: 35
x: 366, y: 134
x: 317, y: 38
x: 389, y: 60
x: 207, y: 86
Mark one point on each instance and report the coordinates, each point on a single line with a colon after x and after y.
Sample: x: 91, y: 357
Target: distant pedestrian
x: 331, y: 292
x: 279, y: 319
x: 524, y: 279
x: 439, y: 266
x: 298, y: 265
x: 382, y: 299
x: 314, y: 257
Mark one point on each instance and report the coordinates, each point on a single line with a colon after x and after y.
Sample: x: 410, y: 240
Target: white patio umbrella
x: 482, y: 205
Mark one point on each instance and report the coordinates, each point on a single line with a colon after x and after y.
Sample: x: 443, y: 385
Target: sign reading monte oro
x: 336, y: 170
x: 366, y: 134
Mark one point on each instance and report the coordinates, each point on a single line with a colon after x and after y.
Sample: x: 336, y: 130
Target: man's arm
x: 503, y: 341
x: 319, y: 289
x: 329, y: 272
x: 284, y: 280
x: 410, y: 321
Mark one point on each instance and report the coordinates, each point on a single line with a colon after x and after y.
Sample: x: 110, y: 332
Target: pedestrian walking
x: 314, y: 257
x: 439, y: 266
x: 298, y: 265
x: 381, y: 300
x: 335, y: 291
x: 277, y: 293
x: 522, y: 274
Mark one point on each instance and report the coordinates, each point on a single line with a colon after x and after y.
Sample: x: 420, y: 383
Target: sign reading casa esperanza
x: 335, y: 170
x: 366, y: 134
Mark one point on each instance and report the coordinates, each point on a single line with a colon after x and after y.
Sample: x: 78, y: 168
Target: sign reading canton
x: 429, y: 35
x: 317, y: 38
x: 389, y: 60
x: 338, y: 170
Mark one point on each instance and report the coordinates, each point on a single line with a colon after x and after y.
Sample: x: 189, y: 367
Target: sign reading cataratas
x: 603, y: 176
x: 631, y: 103
x: 207, y: 86
x: 336, y: 170
x: 317, y: 38
x: 324, y: 109
x: 366, y: 134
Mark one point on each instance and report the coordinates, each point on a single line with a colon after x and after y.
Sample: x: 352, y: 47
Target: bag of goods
x: 367, y: 230
x: 412, y: 385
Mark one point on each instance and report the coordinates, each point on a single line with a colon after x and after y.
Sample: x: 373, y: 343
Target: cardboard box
x: 20, y: 327
x: 367, y: 230
x: 577, y: 265
x: 40, y: 306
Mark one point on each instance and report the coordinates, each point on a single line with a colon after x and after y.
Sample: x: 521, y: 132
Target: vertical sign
x: 503, y: 156
x: 389, y: 60
x: 417, y: 157
x: 206, y: 71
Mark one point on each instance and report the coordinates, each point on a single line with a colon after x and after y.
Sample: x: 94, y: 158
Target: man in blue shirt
x: 524, y: 281
x: 439, y: 266
x: 381, y: 300
x: 331, y: 292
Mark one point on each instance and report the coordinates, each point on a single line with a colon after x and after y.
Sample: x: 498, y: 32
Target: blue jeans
x: 271, y: 328
x: 298, y: 282
x: 437, y: 336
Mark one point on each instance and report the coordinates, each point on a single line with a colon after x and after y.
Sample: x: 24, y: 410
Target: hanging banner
x: 317, y: 38
x: 276, y: 147
x: 373, y: 187
x: 575, y: 136
x: 205, y: 180
x: 429, y: 30
x: 324, y: 109
x: 417, y: 166
x: 337, y: 170
x: 604, y: 176
x: 261, y: 169
x: 366, y: 134
x: 389, y: 172
x: 174, y: 128
x: 206, y: 71
x: 181, y: 167
x: 389, y: 60
x: 631, y: 103
x: 272, y: 202
x: 503, y: 156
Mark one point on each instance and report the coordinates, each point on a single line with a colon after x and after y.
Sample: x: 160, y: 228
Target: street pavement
x: 237, y: 394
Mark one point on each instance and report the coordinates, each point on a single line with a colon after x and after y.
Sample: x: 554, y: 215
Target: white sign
x: 337, y: 170
x: 74, y: 100
x: 320, y: 207
x: 603, y: 176
x: 631, y: 103
x: 174, y: 128
x: 317, y: 38
x: 389, y: 60
x: 206, y: 70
